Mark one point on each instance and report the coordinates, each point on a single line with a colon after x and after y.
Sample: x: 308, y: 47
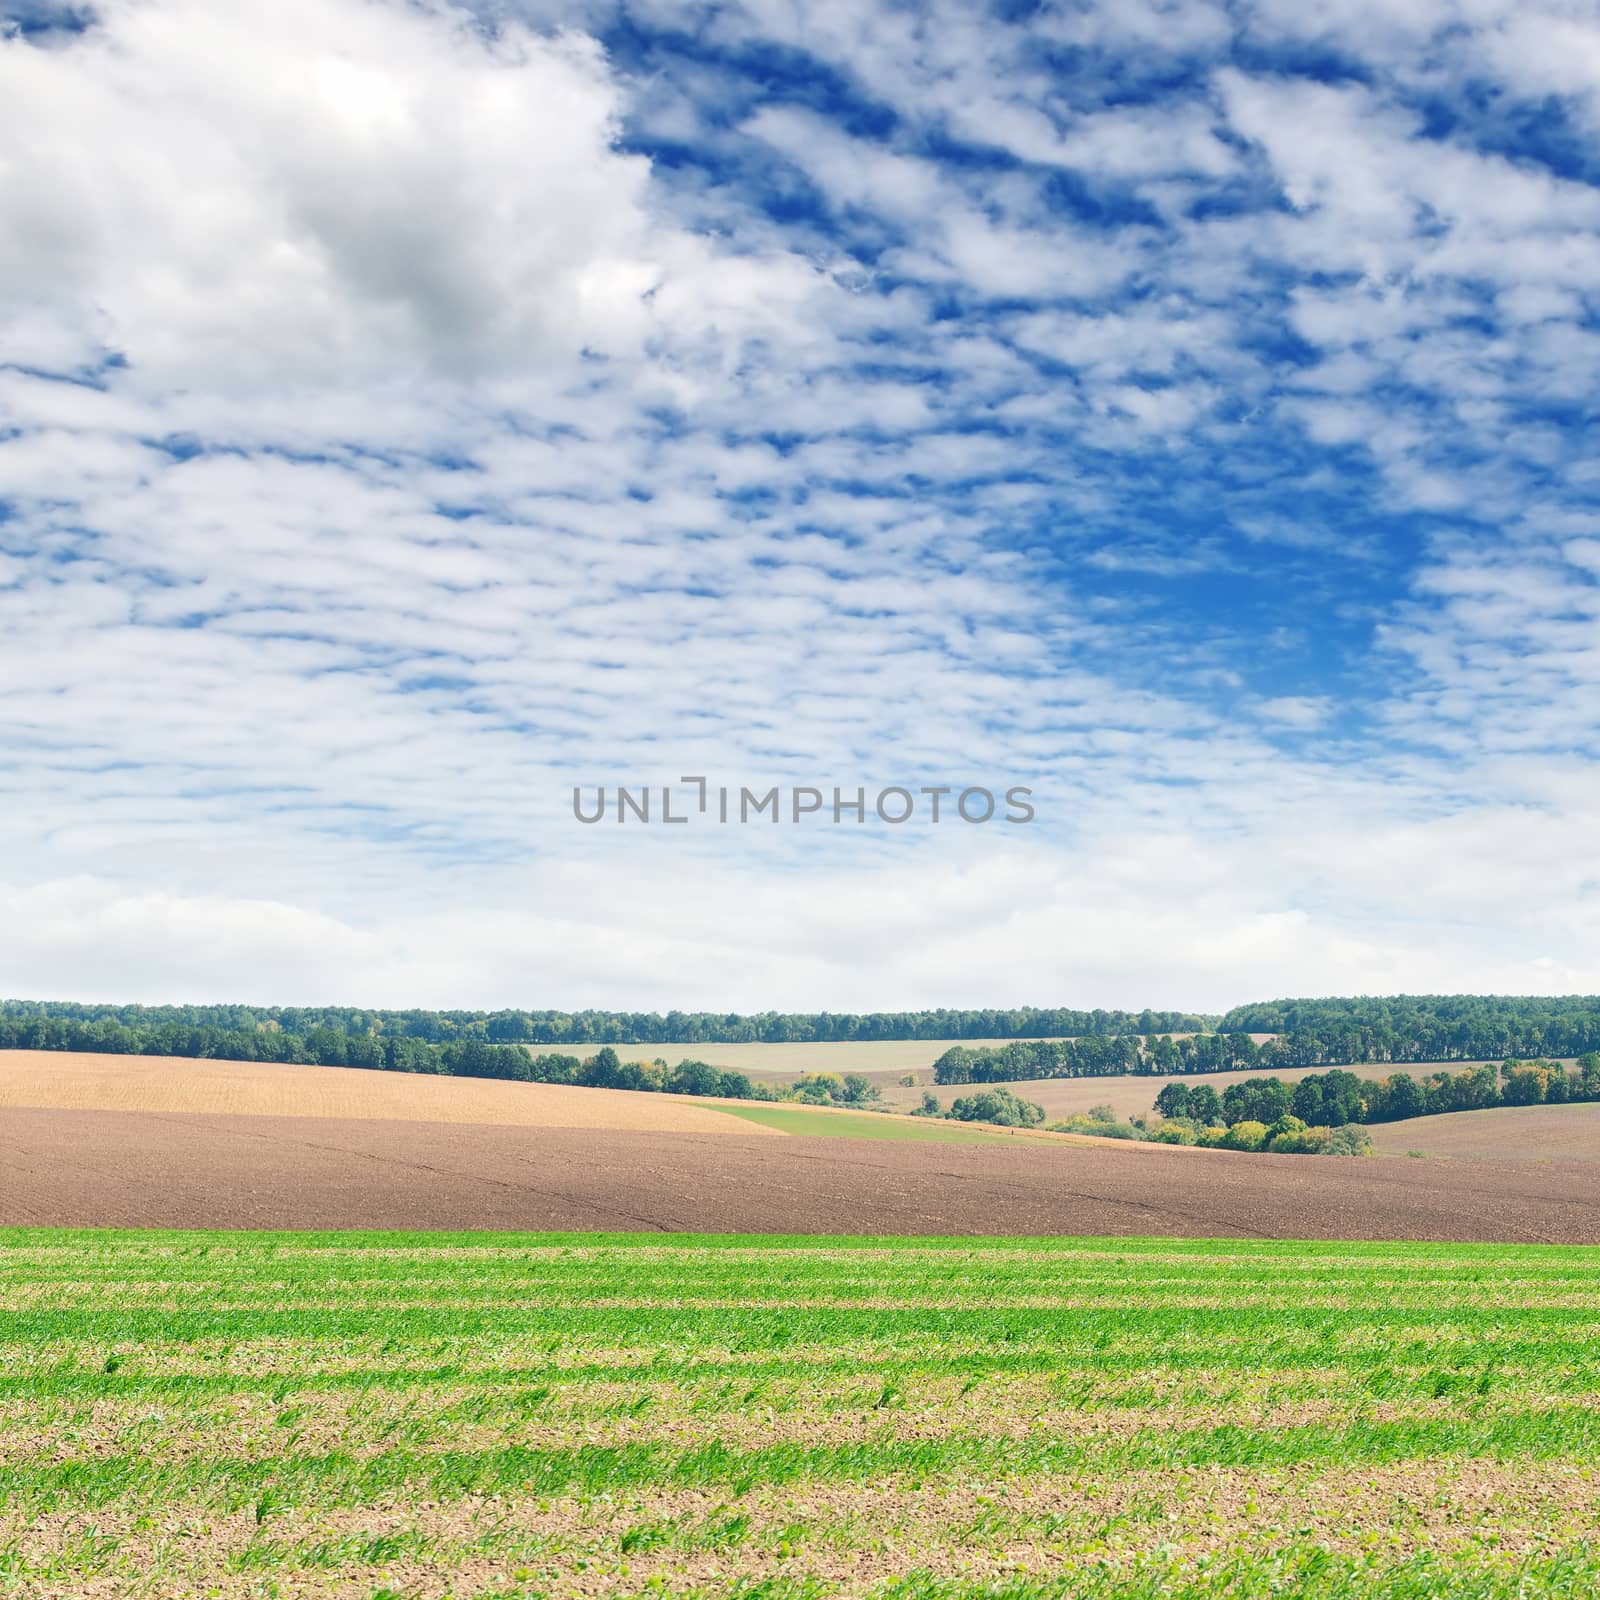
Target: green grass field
x: 416, y: 1415
x: 809, y: 1122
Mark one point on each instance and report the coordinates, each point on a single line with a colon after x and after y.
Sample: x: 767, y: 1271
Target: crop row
x: 237, y: 1416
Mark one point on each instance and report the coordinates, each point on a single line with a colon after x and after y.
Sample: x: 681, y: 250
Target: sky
x: 1181, y: 409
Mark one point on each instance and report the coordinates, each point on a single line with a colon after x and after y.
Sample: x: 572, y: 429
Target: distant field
x: 1506, y: 1133
x: 779, y: 1062
x: 885, y: 1062
x: 59, y: 1080
x: 62, y: 1080
x: 827, y: 1124
x: 138, y: 1142
x: 1133, y: 1095
x: 393, y: 1417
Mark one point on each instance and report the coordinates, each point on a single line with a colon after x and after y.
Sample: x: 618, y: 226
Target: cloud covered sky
x: 1184, y: 409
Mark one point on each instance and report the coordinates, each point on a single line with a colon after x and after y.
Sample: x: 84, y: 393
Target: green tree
x: 1173, y: 1100
x: 1527, y: 1082
x: 1589, y: 1075
x: 998, y: 1105
x: 1256, y: 1100
x: 1401, y: 1096
x: 694, y: 1077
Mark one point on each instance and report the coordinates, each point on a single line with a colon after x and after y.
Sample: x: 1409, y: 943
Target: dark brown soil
x: 143, y: 1169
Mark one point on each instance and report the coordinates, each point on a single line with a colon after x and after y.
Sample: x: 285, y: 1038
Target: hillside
x: 1506, y: 1133
x: 45, y: 1080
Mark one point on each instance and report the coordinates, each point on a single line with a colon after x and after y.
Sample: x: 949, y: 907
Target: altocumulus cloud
x: 409, y: 411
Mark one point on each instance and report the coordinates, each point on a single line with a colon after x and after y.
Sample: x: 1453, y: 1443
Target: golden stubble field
x: 56, y: 1081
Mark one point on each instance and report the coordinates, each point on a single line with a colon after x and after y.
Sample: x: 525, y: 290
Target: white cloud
x: 1156, y: 915
x: 1301, y: 712
x: 459, y: 455
x: 332, y: 190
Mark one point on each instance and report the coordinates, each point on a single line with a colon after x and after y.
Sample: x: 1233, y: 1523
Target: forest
x: 1338, y: 1097
x: 1403, y: 1029
x: 1413, y: 1028
x: 1308, y: 1033
x: 1096, y: 1057
x: 618, y: 1027
x: 460, y: 1058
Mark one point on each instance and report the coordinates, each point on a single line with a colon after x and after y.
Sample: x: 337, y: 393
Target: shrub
x: 1246, y: 1136
x: 1101, y: 1130
x: 1176, y: 1131
x: 1350, y: 1140
x: 1103, y: 1114
x: 1214, y: 1137
x: 1289, y: 1136
x: 1000, y: 1106
x: 820, y: 1088
x: 930, y: 1106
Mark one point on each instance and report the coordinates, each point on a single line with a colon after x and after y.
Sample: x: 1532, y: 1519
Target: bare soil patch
x: 59, y: 1080
x: 144, y: 1169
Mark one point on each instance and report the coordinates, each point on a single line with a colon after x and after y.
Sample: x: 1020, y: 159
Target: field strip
x: 169, y: 1170
x: 47, y: 1080
x: 257, y: 1416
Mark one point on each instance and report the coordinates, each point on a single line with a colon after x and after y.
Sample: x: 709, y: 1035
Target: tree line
x: 1416, y: 1028
x: 1286, y: 1135
x: 1315, y: 1034
x: 1326, y: 1113
x: 1334, y: 1099
x: 1096, y: 1057
x: 621, y: 1027
x: 458, y: 1058
x: 319, y: 1047
x: 1041, y: 1042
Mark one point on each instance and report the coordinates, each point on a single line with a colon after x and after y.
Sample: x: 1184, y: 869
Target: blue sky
x: 1183, y: 409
